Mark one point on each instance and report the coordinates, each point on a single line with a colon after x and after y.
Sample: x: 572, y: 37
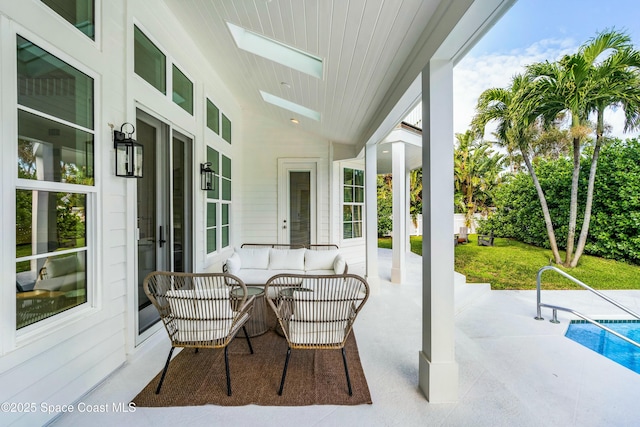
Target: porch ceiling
x: 363, y: 44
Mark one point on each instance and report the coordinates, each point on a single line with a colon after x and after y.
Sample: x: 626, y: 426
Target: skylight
x: 276, y: 51
x: 291, y: 106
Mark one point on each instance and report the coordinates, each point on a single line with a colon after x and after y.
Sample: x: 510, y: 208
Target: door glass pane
x: 181, y: 205
x: 182, y: 90
x: 147, y: 222
x: 78, y: 12
x: 50, y: 85
x: 149, y: 61
x: 51, y: 151
x: 300, y: 208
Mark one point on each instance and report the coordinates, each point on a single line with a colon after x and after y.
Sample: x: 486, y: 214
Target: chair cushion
x: 200, y: 314
x: 316, y: 333
x: 307, y: 308
x: 60, y: 266
x: 286, y: 259
x: 211, y: 303
x: 201, y: 330
x: 254, y: 257
x: 319, y: 260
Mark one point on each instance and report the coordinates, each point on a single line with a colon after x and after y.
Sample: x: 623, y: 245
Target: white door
x: 297, y: 204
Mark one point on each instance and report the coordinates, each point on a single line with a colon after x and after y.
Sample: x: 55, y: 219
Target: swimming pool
x: 608, y: 344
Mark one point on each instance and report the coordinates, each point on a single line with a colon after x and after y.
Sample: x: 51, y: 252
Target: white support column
x: 400, y: 205
x: 371, y: 215
x: 438, y: 370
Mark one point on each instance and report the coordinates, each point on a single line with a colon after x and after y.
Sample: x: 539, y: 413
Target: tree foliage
x: 603, y: 73
x: 616, y: 219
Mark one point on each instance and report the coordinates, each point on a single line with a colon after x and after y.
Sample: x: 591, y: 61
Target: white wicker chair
x: 316, y: 312
x: 199, y: 310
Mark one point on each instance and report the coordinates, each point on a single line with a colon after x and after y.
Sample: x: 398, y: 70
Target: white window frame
x: 9, y: 31
x: 350, y: 240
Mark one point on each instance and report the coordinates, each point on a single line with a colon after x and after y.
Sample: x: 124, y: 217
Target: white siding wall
x: 257, y: 204
x: 64, y: 357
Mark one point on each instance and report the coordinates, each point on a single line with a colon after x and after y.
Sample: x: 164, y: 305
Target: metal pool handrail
x: 555, y: 308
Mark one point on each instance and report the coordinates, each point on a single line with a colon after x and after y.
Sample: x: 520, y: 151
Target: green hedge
x: 615, y: 221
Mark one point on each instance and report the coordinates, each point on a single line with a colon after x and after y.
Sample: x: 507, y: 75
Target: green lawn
x: 514, y: 265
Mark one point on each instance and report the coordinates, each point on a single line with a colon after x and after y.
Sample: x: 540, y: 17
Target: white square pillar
x: 371, y: 214
x: 400, y: 207
x: 438, y: 370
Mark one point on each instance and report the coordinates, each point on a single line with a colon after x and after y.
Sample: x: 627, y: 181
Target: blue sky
x: 533, y: 31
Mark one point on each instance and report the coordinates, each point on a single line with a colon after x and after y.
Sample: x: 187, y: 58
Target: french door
x: 297, y: 201
x: 164, y: 208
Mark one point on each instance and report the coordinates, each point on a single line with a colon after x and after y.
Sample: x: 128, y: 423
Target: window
x: 80, y: 13
x: 226, y: 128
x: 149, y: 61
x: 212, y: 208
x: 182, y: 90
x: 54, y: 184
x: 219, y: 202
x: 353, y: 203
x: 212, y: 202
x: 226, y: 199
x: 213, y: 117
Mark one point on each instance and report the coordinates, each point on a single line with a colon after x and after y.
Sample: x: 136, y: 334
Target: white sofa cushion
x: 234, y: 264
x: 319, y: 260
x: 254, y: 257
x: 258, y: 276
x: 339, y: 265
x: 286, y: 259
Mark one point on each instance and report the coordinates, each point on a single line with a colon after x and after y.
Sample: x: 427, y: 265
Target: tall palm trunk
x: 584, y: 231
x: 573, y: 206
x: 545, y: 210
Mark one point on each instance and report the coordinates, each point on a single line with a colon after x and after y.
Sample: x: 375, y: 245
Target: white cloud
x: 474, y: 74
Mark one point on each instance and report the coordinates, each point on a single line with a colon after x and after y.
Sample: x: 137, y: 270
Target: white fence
x: 458, y: 221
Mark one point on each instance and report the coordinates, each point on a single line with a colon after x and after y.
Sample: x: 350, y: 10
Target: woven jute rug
x: 314, y: 377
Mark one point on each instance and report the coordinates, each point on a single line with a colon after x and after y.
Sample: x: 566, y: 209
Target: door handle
x: 161, y: 240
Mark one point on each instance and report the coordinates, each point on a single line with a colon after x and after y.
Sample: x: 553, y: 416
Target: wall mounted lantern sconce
x: 207, y: 177
x: 128, y: 153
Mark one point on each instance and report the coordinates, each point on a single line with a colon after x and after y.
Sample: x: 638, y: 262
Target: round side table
x: 257, y: 323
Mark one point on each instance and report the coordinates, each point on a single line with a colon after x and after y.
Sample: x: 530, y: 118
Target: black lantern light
x: 128, y: 153
x: 207, y: 177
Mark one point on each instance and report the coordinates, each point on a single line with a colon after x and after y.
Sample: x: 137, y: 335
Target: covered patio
x: 514, y: 370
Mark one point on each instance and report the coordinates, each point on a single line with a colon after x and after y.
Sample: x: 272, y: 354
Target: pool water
x: 608, y: 344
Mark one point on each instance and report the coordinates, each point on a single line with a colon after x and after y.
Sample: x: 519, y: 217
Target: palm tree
x: 515, y: 115
x: 415, y: 194
x: 581, y: 84
x: 476, y: 174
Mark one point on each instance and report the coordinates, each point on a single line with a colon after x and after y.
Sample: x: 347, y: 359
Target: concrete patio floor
x: 514, y: 370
